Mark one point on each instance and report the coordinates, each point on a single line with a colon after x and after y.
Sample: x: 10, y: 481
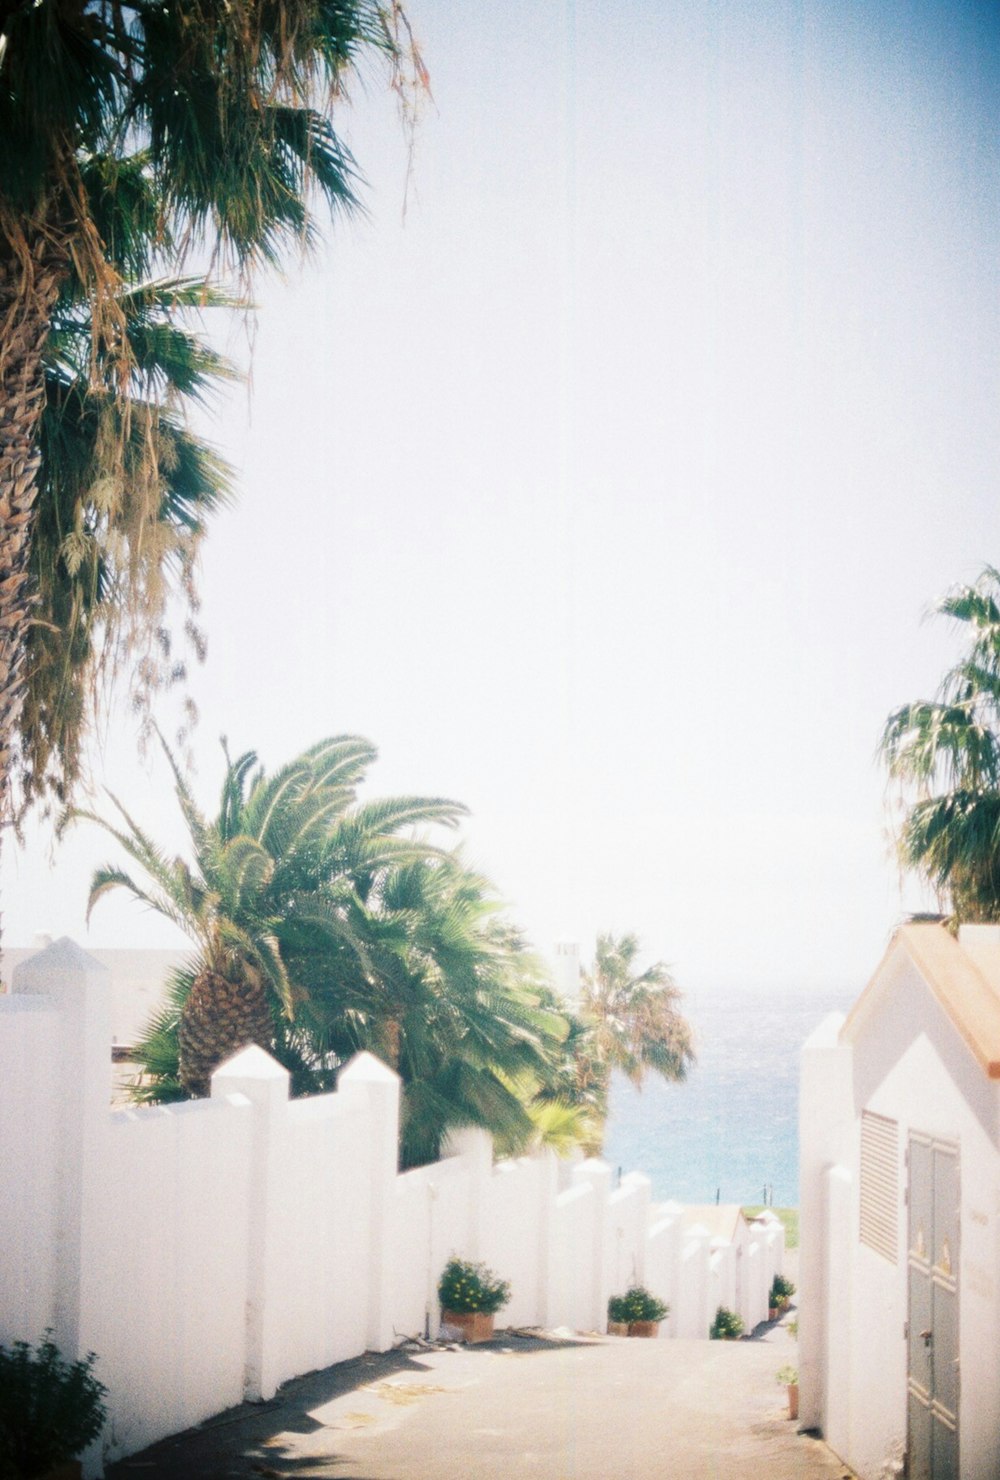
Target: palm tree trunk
x: 31, y: 271
x: 30, y: 275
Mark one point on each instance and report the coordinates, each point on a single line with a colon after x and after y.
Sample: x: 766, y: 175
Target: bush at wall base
x: 782, y: 1291
x: 470, y: 1295
x: 638, y: 1311
x: 727, y: 1326
x: 50, y: 1409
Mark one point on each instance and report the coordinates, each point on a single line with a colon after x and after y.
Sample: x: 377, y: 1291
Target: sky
x: 604, y: 471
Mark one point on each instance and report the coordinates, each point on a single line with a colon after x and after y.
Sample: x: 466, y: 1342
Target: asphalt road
x: 546, y: 1409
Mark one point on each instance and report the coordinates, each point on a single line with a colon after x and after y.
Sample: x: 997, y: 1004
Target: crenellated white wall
x: 211, y: 1250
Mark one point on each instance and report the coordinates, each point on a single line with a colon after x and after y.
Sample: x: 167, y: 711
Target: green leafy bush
x: 637, y: 1304
x: 787, y: 1376
x: 727, y: 1325
x: 466, y: 1288
x: 782, y: 1290
x: 50, y: 1409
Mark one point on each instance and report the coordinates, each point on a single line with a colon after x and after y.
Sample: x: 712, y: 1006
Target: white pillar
x: 80, y: 989
x: 31, y: 1155
x: 826, y: 1126
x: 547, y: 1192
x: 597, y: 1175
x: 258, y: 1077
x: 475, y: 1147
x: 368, y: 1081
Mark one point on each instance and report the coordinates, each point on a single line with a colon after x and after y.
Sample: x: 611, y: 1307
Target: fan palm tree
x: 945, y: 755
x: 268, y: 901
x: 629, y: 1021
x: 100, y: 577
x: 133, y: 133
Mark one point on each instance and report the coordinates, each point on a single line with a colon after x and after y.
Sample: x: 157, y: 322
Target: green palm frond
x: 944, y: 755
x: 111, y: 544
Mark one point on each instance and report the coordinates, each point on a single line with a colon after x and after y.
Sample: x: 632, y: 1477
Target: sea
x: 729, y: 1132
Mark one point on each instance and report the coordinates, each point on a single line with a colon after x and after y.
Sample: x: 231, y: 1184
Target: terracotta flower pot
x: 618, y: 1328
x: 475, y: 1325
x: 772, y: 1314
x: 793, y: 1400
x: 649, y: 1329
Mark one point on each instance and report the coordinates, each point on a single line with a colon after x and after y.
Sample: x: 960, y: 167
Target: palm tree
x: 945, y: 754
x: 100, y: 575
x: 133, y: 133
x: 268, y: 903
x: 629, y: 1021
x: 473, y: 1029
x: 323, y: 928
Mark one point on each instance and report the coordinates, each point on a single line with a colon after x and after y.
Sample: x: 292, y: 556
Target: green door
x: 933, y: 1373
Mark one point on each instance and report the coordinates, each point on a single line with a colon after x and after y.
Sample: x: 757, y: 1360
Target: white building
x: 900, y: 1213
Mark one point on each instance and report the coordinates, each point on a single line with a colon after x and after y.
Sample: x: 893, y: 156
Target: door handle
x: 926, y: 1337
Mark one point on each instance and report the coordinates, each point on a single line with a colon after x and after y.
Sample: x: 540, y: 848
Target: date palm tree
x: 324, y: 927
x: 473, y: 1028
x: 270, y: 902
x: 945, y: 755
x: 134, y: 133
x: 629, y: 1020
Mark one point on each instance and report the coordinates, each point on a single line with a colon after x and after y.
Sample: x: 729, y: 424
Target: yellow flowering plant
x: 465, y: 1287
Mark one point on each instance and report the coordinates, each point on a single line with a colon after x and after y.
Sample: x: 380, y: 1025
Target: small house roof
x: 964, y: 977
x: 720, y: 1221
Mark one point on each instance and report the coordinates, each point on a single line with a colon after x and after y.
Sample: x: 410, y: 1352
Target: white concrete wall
x: 211, y: 1250
x: 827, y: 1127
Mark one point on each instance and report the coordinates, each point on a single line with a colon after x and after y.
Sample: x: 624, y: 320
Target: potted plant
x: 782, y: 1291
x: 470, y: 1296
x: 640, y: 1311
x: 50, y: 1410
x: 617, y: 1316
x: 727, y: 1326
x: 788, y: 1377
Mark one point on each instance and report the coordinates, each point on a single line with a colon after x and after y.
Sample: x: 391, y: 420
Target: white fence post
x: 826, y: 1137
x: 261, y: 1080
x: 31, y: 1151
x: 369, y: 1081
x: 80, y: 989
x: 475, y: 1147
x: 597, y: 1175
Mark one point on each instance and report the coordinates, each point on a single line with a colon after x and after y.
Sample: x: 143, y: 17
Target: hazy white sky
x: 607, y: 491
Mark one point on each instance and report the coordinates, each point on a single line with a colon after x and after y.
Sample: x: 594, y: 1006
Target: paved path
x: 605, y: 1409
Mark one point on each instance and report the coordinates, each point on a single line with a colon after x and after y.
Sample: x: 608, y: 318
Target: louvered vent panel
x: 880, y: 1185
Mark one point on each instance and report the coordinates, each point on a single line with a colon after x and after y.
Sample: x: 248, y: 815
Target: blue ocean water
x: 731, y: 1129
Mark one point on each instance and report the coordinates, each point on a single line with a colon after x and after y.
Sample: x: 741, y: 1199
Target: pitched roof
x: 964, y: 977
x: 720, y: 1221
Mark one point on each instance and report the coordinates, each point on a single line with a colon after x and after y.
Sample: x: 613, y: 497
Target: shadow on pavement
x: 246, y: 1441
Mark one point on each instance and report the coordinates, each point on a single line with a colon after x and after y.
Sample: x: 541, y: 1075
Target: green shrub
x: 50, y: 1409
x: 727, y: 1325
x: 782, y: 1290
x: 637, y: 1304
x: 617, y: 1310
x: 466, y: 1288
x: 787, y: 1376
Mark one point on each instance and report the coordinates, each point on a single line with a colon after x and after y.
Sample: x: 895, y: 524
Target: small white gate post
x: 254, y: 1074
x: 80, y: 989
x: 369, y: 1081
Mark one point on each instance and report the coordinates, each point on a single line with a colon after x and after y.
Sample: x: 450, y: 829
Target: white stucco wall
x: 211, y: 1250
x: 826, y: 1132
